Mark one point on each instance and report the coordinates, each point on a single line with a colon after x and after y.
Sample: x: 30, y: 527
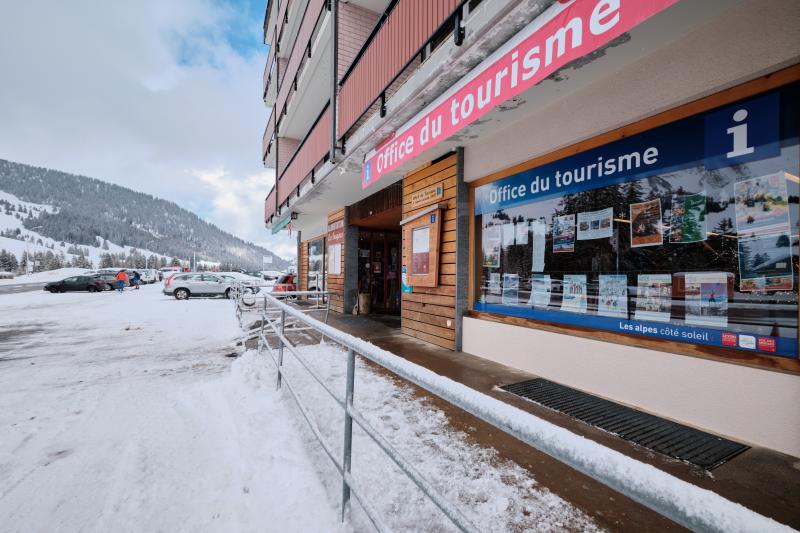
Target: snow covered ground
x: 121, y: 412
x: 44, y: 277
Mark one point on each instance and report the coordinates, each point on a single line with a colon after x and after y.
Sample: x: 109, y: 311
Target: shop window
x: 316, y: 263
x: 687, y: 232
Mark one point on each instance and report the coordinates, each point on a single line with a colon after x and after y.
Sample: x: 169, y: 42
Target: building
x: 600, y: 192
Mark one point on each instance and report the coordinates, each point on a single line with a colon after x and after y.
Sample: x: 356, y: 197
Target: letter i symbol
x: 739, y: 134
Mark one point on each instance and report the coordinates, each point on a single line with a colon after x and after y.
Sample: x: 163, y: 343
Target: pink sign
x: 572, y: 29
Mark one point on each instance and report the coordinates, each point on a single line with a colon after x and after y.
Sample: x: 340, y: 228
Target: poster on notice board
x: 595, y: 224
x: 564, y: 234
x: 646, y: 224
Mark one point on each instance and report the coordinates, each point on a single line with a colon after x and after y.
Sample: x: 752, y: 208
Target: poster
x: 707, y: 299
x: 574, y: 296
x: 654, y: 297
x: 508, y: 235
x: 420, y: 250
x: 494, y: 283
x: 613, y: 299
x: 404, y: 286
x: 538, y: 228
x: 521, y: 233
x: 762, y: 205
x: 688, y: 218
x: 564, y: 234
x: 491, y: 247
x: 510, y: 289
x: 646, y: 224
x: 541, y: 289
x: 595, y: 224
x: 765, y: 263
x: 335, y: 259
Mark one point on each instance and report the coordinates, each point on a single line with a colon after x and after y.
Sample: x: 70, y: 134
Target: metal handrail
x: 673, y: 498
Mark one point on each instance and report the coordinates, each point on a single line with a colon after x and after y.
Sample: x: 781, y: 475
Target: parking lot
x: 112, y: 405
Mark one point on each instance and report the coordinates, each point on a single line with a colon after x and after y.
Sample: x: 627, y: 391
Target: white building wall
x: 756, y: 406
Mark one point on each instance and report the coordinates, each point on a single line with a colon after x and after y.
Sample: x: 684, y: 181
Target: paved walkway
x: 760, y: 479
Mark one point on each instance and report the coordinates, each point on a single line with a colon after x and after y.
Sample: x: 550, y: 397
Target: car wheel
x: 181, y: 294
x: 109, y: 287
x: 91, y: 288
x: 228, y: 294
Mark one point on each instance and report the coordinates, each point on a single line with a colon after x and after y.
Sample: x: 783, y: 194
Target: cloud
x: 161, y: 97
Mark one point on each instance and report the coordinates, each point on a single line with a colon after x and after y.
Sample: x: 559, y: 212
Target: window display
x: 670, y: 233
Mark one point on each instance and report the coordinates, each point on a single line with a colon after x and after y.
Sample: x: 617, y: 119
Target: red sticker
x: 767, y: 344
x: 729, y: 339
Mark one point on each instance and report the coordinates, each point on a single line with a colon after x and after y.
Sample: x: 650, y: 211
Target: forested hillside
x: 87, y: 208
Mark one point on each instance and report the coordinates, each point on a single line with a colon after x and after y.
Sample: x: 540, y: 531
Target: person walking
x: 137, y: 279
x: 122, y: 279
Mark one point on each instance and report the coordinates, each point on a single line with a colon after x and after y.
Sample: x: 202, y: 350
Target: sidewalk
x: 760, y: 479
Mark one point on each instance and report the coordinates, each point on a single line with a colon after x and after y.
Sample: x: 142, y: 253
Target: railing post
x: 348, y: 428
x: 280, y: 347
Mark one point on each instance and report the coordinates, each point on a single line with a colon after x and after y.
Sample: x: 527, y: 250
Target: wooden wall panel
x: 428, y: 313
x: 336, y: 283
x: 302, y: 266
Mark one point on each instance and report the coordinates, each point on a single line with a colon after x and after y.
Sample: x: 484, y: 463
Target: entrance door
x: 379, y: 270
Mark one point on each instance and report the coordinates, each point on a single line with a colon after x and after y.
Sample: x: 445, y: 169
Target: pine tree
x: 106, y: 261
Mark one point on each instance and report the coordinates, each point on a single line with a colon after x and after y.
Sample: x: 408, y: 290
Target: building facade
x: 600, y: 192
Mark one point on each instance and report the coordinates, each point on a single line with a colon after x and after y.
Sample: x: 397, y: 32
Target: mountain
x: 84, y: 211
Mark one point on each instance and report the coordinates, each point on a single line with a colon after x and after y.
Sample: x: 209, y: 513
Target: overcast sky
x: 162, y: 96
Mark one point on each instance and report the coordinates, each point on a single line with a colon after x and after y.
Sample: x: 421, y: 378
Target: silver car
x: 185, y: 285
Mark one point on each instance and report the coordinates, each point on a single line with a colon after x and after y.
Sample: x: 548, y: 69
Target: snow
x: 121, y: 413
x: 496, y: 495
x: 703, y: 509
x: 44, y: 277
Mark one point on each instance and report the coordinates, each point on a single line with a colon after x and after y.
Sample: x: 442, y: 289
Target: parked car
x: 166, y: 272
x: 149, y: 275
x: 286, y: 283
x: 185, y: 285
x: 77, y: 283
x: 110, y: 278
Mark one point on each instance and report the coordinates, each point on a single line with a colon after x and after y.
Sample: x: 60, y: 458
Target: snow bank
x: 496, y: 495
x: 121, y: 413
x: 44, y: 277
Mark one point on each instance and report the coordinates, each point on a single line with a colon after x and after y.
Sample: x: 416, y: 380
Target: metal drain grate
x: 662, y: 436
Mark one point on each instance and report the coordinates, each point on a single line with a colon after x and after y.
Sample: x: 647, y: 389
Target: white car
x: 149, y: 275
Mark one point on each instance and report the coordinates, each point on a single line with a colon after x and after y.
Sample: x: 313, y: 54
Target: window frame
x: 729, y: 355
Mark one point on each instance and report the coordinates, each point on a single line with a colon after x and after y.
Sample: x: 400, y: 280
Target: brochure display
x: 574, y: 296
x: 541, y: 289
x: 654, y: 297
x: 510, y: 289
x: 508, y: 235
x: 613, y: 299
x: 707, y: 299
x: 595, y: 224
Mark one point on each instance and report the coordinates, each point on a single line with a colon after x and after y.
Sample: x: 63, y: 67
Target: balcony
x: 400, y: 36
x: 269, y: 205
x: 269, y: 82
x: 267, y: 150
x: 312, y: 151
x: 300, y: 51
